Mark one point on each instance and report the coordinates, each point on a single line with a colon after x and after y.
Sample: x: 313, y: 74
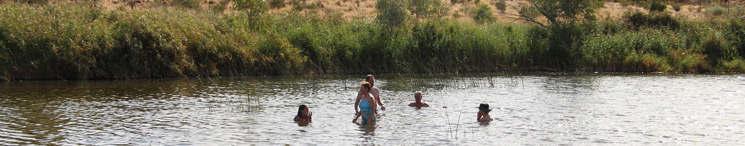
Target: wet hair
x: 366, y: 85
x: 302, y: 107
x: 369, y: 76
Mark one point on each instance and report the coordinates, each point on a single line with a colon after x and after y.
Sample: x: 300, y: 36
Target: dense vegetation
x: 72, y: 41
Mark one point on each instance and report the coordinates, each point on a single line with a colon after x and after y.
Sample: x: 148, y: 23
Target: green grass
x: 69, y: 41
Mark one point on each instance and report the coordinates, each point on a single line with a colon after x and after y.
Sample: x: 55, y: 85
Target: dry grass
x: 365, y: 9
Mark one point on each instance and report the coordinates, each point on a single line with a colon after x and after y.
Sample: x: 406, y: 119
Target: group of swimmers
x: 368, y: 100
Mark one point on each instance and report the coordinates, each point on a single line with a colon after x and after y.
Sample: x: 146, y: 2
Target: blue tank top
x: 365, y: 109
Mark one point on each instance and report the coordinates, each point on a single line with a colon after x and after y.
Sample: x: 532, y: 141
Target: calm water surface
x: 531, y: 110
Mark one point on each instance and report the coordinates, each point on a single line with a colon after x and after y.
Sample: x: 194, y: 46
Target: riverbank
x: 76, y: 41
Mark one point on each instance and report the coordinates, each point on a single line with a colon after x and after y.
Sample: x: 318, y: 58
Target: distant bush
x: 191, y: 4
x: 736, y: 34
x: 716, y: 49
x: 391, y: 14
x: 654, y: 19
x: 737, y: 65
x: 530, y: 11
x: 625, y: 3
x: 276, y: 3
x: 219, y: 7
x: 716, y: 11
x: 41, y: 2
x: 483, y: 14
x: 254, y: 6
x: 657, y: 6
x: 501, y: 6
x: 424, y: 9
x: 456, y: 15
x: 740, y: 10
x: 676, y: 6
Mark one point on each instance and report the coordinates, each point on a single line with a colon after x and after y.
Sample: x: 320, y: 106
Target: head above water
x: 418, y: 96
x: 484, y: 107
x: 302, y: 111
x: 371, y: 79
x: 366, y: 86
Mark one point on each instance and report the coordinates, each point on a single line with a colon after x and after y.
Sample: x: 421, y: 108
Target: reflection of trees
x: 34, y: 119
x: 43, y: 112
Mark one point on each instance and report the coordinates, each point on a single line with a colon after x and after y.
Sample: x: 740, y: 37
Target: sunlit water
x: 531, y: 110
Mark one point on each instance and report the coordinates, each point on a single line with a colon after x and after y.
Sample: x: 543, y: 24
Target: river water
x: 536, y: 109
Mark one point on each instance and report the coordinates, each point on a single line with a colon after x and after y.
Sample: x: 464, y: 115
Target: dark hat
x: 484, y: 107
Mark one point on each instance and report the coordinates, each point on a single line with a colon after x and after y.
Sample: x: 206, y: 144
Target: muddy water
x: 530, y: 110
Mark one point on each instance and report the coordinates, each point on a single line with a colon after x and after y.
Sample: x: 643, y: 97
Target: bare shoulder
x: 375, y: 90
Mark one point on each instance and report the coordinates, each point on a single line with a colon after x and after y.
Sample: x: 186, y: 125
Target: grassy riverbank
x: 77, y: 41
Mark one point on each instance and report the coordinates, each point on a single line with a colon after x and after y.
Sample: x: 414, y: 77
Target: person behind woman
x: 366, y: 105
x: 418, y: 100
x: 483, y: 115
x: 303, y: 114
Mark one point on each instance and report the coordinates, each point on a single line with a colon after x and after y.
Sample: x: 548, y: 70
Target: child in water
x: 303, y: 114
x: 483, y: 115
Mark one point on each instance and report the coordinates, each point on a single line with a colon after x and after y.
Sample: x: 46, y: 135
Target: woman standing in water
x: 367, y: 104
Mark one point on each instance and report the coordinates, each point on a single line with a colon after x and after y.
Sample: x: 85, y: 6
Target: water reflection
x: 530, y: 110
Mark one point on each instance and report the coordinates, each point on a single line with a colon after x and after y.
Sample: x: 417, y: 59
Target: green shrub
x: 457, y: 15
x: 736, y: 34
x: 191, y: 4
x: 453, y: 2
x: 276, y: 3
x: 392, y: 14
x: 40, y: 2
x: 298, y: 7
x: 676, y: 6
x: 657, y: 6
x: 716, y: 49
x: 253, y: 6
x: 426, y: 8
x: 483, y: 14
x: 278, y: 56
x: 219, y: 7
x: 694, y: 63
x: 716, y: 11
x: 737, y: 65
x: 531, y: 12
x: 638, y: 19
x: 625, y: 3
x: 501, y: 6
x: 740, y: 10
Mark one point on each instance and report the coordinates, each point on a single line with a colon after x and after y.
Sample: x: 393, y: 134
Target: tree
x: 501, y: 6
x: 554, y: 44
x: 483, y: 14
x: 557, y: 11
x: 391, y: 13
x: 255, y: 9
x: 426, y: 8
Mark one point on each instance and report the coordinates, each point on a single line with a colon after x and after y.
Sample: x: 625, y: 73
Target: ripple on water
x: 534, y: 109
